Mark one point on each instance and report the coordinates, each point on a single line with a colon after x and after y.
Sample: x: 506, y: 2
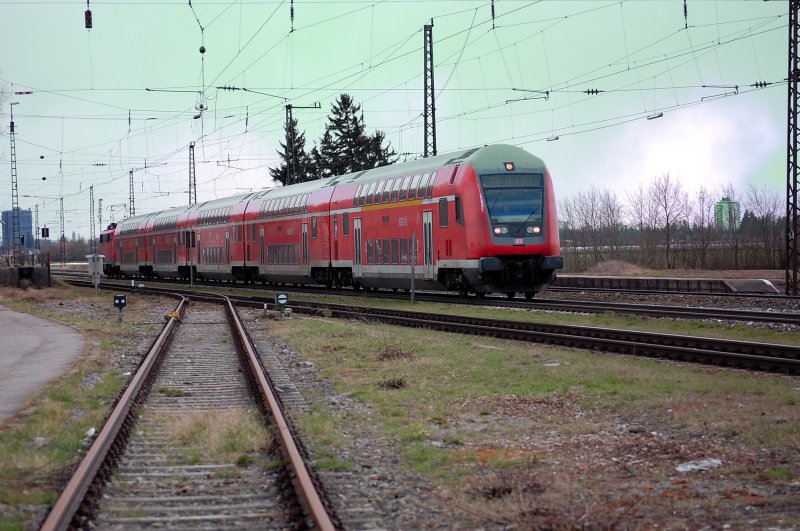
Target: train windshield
x: 514, y: 199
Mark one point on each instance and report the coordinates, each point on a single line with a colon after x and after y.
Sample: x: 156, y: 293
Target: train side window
x: 346, y: 224
x: 387, y: 190
x: 371, y: 192
x: 404, y: 189
x: 412, y: 191
x: 378, y: 192
x: 423, y: 185
x: 459, y: 211
x: 314, y: 227
x: 443, y: 212
x: 378, y: 252
x: 335, y: 225
x: 395, y: 248
x: 386, y: 250
x: 396, y: 187
x: 370, y: 252
x: 403, y: 251
x: 362, y: 194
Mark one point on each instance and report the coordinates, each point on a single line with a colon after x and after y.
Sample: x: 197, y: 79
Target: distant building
x: 25, y: 230
x: 727, y: 214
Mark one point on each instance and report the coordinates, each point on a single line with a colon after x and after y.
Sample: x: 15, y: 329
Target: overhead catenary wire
x: 666, y: 59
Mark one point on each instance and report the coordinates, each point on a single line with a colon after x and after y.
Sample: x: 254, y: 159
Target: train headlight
x: 533, y: 229
x: 501, y: 230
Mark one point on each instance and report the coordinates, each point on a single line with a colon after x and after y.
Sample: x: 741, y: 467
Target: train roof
x: 485, y: 158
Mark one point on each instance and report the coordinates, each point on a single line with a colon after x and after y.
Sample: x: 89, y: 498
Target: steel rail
x: 70, y: 508
x: 550, y: 289
x: 304, y: 484
x: 659, y: 311
x: 106, y: 447
x: 651, y: 310
x: 780, y: 357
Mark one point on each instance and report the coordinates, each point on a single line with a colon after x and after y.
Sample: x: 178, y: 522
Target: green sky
x: 74, y: 130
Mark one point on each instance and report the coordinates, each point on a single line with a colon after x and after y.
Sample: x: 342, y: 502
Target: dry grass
x: 8, y: 294
x: 219, y: 436
x: 514, y: 439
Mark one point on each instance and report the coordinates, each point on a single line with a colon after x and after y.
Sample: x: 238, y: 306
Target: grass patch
x: 219, y: 436
x: 174, y: 392
x: 453, y: 377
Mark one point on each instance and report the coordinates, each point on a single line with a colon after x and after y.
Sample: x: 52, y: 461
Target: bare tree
x: 611, y: 220
x: 567, y: 214
x: 765, y: 204
x: 587, y: 206
x: 670, y: 203
x: 701, y: 222
x: 642, y: 214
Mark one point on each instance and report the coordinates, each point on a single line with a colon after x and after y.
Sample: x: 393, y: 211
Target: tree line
x: 345, y: 147
x: 661, y: 225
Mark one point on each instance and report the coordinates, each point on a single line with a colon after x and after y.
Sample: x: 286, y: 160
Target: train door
x: 189, y: 236
x: 227, y: 247
x: 358, y: 269
x: 427, y: 253
x: 261, y: 237
x: 305, y: 249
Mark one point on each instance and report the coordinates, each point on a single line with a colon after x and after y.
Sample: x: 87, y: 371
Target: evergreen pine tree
x: 345, y: 147
x: 302, y: 164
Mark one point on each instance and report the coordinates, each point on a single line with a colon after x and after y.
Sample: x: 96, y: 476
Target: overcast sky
x: 126, y: 94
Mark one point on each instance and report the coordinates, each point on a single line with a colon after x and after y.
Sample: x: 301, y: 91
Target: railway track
x: 761, y: 356
x: 144, y: 471
x: 651, y: 310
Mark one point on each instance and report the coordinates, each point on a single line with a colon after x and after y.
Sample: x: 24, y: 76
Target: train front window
x: 514, y: 201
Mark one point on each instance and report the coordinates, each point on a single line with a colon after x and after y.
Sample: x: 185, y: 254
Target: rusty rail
x: 304, y: 485
x: 106, y: 447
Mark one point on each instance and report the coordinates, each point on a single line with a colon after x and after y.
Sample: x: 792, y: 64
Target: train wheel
x: 529, y: 295
x: 511, y: 294
x: 480, y: 296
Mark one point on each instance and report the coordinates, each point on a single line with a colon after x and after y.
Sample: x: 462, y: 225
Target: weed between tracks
x: 526, y: 435
x: 218, y: 436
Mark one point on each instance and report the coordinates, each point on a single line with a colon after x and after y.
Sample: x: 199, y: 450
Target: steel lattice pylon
x: 192, y: 177
x: 130, y: 194
x: 15, y: 232
x: 792, y: 213
x: 92, y: 242
x: 429, y: 109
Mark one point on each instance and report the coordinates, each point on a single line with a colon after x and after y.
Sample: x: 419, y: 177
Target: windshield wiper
x: 534, y: 211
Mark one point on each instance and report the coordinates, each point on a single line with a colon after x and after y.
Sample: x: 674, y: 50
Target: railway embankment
x: 426, y: 428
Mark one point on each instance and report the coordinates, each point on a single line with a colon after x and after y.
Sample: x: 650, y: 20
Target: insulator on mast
x: 87, y: 16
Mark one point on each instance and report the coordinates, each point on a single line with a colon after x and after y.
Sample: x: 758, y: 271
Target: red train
x: 481, y: 220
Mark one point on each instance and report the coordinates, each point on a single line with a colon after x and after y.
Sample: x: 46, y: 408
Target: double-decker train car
x: 109, y: 250
x: 481, y: 220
